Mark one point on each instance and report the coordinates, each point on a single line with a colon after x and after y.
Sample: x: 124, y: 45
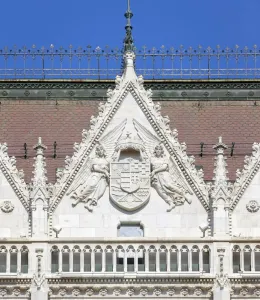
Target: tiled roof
x: 23, y: 121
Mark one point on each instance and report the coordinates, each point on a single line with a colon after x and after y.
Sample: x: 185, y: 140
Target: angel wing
x: 178, y: 178
x: 109, y: 140
x: 149, y: 139
x: 80, y: 179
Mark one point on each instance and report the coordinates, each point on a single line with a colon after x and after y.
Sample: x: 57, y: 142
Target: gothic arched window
x: 257, y: 258
x: 109, y: 259
x: 65, y: 259
x: 206, y: 259
x: 98, y: 259
x: 24, y: 259
x: 13, y: 259
x: 195, y: 258
x: 3, y: 259
x: 163, y: 258
x: 247, y: 258
x: 141, y: 258
x: 152, y: 259
x: 130, y: 259
x: 236, y: 259
x: 120, y: 254
x: 184, y: 259
x: 174, y: 259
x: 54, y: 259
x: 76, y: 259
x: 87, y: 259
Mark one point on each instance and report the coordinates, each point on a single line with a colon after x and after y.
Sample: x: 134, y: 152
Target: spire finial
x: 128, y: 41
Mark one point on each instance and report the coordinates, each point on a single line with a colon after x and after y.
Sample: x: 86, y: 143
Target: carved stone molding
x: 252, y: 206
x: 109, y: 291
x: 15, y: 291
x: 13, y: 176
x: 7, y: 206
x: 244, y: 177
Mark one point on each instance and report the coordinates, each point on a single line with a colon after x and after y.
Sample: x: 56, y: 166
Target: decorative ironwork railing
x: 106, y: 63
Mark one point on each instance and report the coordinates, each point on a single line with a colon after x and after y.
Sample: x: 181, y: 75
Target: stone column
x: 114, y: 260
x: 168, y: 261
x: 221, y: 290
x: 81, y: 261
x: 179, y: 260
x: 201, y: 260
x: 136, y: 261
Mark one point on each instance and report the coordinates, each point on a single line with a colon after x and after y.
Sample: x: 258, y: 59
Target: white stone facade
x: 130, y: 216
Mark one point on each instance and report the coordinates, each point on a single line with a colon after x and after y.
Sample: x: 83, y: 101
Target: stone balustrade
x: 130, y: 258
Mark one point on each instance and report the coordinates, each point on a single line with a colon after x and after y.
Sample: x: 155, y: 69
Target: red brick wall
x: 23, y: 121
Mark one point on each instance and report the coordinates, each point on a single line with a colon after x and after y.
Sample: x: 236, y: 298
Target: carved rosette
x: 117, y: 292
x: 7, y: 206
x: 252, y: 206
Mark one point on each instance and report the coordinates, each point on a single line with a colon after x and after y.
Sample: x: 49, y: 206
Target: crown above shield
x: 130, y: 141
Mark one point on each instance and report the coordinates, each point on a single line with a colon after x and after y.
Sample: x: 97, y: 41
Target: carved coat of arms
x: 130, y: 184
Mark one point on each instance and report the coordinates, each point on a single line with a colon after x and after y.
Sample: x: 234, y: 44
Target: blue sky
x: 155, y: 22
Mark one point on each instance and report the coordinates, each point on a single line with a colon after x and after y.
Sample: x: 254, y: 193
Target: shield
x: 130, y: 184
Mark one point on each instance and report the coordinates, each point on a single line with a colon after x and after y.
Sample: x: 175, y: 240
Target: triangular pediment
x: 129, y: 118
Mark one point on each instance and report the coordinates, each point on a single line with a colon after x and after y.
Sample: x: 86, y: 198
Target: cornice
x: 128, y: 280
x: 181, y: 90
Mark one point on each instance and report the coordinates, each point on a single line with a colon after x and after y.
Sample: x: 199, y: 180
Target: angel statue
x: 96, y: 182
x: 163, y: 181
x: 93, y: 177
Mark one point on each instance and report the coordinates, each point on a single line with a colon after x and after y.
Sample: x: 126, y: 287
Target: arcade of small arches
x: 246, y: 259
x: 14, y: 260
x: 131, y: 258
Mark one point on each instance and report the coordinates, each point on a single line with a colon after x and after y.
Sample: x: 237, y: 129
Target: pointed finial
x: 39, y: 147
x: 39, y: 178
x: 220, y: 170
x: 128, y: 41
x: 220, y: 146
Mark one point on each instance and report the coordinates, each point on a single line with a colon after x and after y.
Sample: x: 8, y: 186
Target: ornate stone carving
x: 157, y: 292
x: 184, y: 292
x: 130, y: 292
x: 220, y: 189
x: 171, y: 292
x: 38, y: 277
x: 244, y: 177
x: 163, y: 181
x: 103, y: 292
x: 63, y: 292
x: 244, y: 292
x: 144, y: 292
x: 117, y: 292
x: 14, y: 177
x: 76, y: 292
x: 96, y: 181
x: 125, y: 85
x: 92, y: 182
x: 89, y: 292
x: 7, y: 206
x: 130, y: 184
x: 252, y: 206
x: 3, y: 292
x: 16, y: 292
x: 198, y: 292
